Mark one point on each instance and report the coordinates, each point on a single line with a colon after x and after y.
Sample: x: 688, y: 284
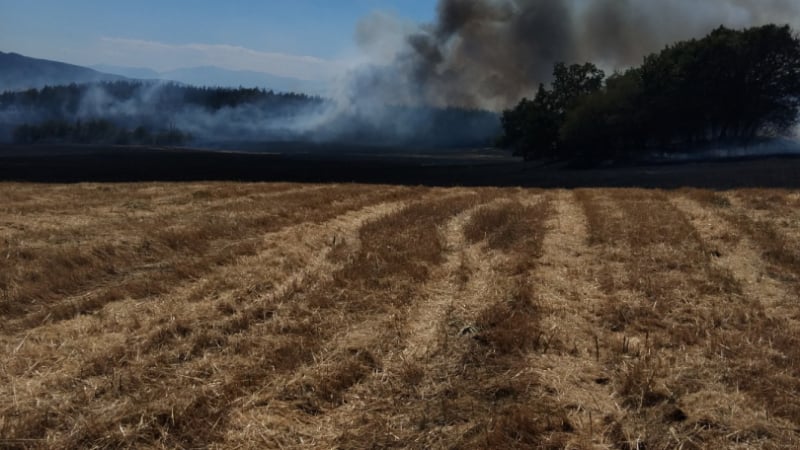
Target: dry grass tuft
x: 511, y: 327
x: 509, y: 226
x: 777, y: 248
x: 527, y: 427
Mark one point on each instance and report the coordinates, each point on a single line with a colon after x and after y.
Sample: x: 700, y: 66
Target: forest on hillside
x: 158, y: 113
x: 730, y: 88
x: 131, y: 112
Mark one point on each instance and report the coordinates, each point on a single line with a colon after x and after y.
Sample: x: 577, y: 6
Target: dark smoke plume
x: 490, y: 53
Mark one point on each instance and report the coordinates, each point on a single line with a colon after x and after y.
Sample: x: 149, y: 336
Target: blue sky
x: 309, y: 36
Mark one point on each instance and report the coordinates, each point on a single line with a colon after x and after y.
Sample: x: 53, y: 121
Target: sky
x: 308, y: 39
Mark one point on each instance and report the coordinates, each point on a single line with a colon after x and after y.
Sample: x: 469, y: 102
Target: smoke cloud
x: 490, y: 53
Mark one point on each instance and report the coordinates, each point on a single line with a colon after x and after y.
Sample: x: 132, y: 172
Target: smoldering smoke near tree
x: 491, y: 53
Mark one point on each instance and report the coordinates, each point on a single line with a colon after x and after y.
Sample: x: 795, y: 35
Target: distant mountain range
x: 22, y: 72
x: 217, y: 76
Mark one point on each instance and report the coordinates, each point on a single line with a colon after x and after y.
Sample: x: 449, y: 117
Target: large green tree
x: 732, y: 86
x: 532, y: 127
x: 729, y: 86
x: 609, y: 122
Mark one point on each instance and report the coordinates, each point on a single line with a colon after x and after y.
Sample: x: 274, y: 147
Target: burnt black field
x: 316, y: 163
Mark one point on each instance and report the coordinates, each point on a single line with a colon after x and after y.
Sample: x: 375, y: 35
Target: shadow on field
x: 323, y: 164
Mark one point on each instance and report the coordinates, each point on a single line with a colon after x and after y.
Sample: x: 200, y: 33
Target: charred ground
x: 326, y: 163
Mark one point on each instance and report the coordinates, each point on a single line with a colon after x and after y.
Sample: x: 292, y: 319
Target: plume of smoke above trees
x: 483, y: 54
x: 491, y: 53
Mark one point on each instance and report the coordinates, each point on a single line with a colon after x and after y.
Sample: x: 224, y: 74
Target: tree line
x: 97, y: 131
x: 732, y: 87
x: 129, y: 112
x: 68, y: 99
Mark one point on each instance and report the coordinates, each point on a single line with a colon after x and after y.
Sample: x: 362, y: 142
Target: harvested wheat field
x: 230, y: 315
